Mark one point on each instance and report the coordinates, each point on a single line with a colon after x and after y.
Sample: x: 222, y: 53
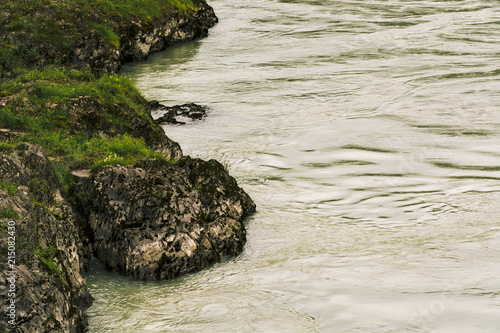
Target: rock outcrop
x: 139, y: 39
x: 156, y: 220
x: 104, y: 44
x: 51, y: 251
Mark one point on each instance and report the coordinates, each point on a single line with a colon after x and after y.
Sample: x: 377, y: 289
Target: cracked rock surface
x: 155, y: 220
x: 51, y: 252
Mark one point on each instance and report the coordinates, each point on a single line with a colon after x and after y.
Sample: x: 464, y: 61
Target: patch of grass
x: 59, y: 84
x: 80, y: 152
x: 7, y: 146
x: 63, y: 174
x: 106, y: 33
x: 60, y: 24
x: 143, y: 9
x: 10, y: 188
x: 8, y: 213
x: 122, y: 150
x: 47, y: 256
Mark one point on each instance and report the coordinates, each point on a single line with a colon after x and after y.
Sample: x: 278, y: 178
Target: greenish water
x: 368, y: 133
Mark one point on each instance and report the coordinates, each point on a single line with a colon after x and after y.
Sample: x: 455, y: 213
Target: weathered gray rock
x: 88, y: 50
x: 51, y: 294
x: 156, y: 220
x: 139, y: 39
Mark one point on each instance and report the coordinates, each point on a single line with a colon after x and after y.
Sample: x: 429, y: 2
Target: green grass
x: 143, y: 9
x: 122, y: 150
x: 59, y: 84
x: 60, y: 24
x: 74, y: 152
x: 8, y: 187
x: 47, y: 256
x: 8, y: 213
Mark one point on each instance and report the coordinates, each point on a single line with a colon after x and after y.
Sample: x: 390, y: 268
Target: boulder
x: 156, y: 220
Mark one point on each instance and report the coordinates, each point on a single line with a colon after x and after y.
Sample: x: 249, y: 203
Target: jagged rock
x: 177, y: 113
x: 137, y: 39
x: 48, y: 298
x: 156, y: 220
x: 140, y: 39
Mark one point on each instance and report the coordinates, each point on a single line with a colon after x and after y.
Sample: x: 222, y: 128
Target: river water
x: 368, y: 133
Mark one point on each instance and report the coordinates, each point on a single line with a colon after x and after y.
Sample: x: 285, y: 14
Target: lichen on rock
x: 51, y: 256
x: 156, y: 220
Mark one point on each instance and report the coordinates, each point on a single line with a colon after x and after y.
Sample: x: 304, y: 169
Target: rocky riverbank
x: 51, y: 250
x: 101, y: 35
x: 84, y: 169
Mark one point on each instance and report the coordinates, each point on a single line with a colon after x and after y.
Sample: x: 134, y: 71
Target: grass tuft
x: 8, y: 213
x: 8, y: 187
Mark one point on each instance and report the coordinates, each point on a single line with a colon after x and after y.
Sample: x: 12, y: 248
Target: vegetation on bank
x: 57, y: 90
x: 84, y: 120
x: 59, y: 24
x: 40, y: 107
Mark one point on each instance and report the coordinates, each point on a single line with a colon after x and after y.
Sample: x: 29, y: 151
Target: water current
x: 368, y: 134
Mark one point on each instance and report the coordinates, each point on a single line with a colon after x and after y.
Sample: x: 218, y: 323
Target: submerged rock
x: 156, y: 220
x: 178, y: 114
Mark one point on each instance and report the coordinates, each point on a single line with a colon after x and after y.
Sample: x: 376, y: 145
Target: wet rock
x: 178, y: 114
x: 155, y: 220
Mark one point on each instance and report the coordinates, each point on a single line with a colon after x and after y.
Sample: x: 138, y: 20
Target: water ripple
x: 368, y: 134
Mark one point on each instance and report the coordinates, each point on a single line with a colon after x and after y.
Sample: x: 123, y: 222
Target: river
x: 368, y: 134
